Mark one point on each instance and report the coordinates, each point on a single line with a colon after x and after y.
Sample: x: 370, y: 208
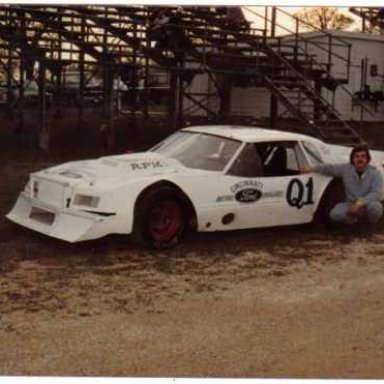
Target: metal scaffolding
x: 372, y: 18
x: 115, y: 48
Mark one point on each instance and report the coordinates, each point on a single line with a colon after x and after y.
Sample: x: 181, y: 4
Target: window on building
x: 373, y: 70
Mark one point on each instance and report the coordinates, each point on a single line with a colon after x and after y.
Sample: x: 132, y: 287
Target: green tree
x: 323, y: 18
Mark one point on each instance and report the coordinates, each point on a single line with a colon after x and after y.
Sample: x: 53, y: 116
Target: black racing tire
x: 160, y: 218
x: 333, y: 195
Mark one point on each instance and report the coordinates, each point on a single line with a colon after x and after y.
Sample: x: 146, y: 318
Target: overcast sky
x: 286, y: 21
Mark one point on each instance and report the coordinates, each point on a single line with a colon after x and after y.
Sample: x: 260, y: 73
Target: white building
x: 366, y: 67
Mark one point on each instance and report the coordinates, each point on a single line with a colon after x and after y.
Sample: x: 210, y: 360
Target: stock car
x: 207, y: 178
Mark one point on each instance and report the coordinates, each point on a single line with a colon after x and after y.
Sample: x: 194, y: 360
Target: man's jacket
x: 367, y: 187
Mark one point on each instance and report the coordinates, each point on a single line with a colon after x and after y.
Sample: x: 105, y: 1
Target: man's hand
x: 356, y: 208
x: 308, y: 169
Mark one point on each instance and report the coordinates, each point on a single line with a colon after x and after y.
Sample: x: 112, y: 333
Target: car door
x: 264, y: 186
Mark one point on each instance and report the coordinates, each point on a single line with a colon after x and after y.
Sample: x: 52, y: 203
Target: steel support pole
x: 173, y: 101
x: 316, y: 107
x: 80, y: 121
x: 274, y: 108
x: 44, y: 138
x: 273, y: 22
x: 225, y: 98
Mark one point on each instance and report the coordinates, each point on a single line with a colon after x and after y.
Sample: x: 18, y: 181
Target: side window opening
x: 280, y: 158
x: 248, y: 163
x: 292, y: 160
x: 271, y: 159
x: 276, y: 162
x: 313, y: 153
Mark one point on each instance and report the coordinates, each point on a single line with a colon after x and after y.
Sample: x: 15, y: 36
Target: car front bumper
x: 65, y: 224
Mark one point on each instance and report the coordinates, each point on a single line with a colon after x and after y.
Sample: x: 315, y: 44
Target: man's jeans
x: 371, y: 213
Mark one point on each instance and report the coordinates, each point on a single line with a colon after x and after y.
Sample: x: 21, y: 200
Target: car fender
x: 126, y: 197
x: 325, y: 182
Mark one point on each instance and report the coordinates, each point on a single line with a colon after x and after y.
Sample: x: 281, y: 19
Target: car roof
x: 249, y: 134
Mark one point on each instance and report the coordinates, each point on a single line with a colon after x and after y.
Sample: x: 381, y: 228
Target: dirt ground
x: 281, y: 302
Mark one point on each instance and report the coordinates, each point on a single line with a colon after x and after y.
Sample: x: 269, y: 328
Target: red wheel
x: 165, y: 220
x: 160, y: 218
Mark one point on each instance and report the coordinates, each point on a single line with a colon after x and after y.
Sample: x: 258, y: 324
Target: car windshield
x: 198, y: 150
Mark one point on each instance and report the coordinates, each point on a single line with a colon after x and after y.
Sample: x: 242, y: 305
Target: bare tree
x: 323, y: 18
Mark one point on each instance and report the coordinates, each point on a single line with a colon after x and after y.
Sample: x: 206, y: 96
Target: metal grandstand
x: 116, y: 44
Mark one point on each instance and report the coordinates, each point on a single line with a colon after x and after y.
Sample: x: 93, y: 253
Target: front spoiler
x: 68, y: 225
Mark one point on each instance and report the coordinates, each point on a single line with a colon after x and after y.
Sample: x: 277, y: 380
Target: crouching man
x: 363, y: 186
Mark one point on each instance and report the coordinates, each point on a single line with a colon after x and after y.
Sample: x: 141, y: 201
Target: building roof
x: 343, y: 35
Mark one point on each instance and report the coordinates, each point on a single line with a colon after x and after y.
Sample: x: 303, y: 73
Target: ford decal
x: 248, y: 195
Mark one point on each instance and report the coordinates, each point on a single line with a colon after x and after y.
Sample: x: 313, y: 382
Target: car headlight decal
x: 27, y: 188
x: 86, y: 201
x: 35, y: 189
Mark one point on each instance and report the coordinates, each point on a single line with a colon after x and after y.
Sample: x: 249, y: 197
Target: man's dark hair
x: 360, y: 148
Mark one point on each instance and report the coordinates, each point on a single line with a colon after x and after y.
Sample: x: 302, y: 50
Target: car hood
x: 115, y: 169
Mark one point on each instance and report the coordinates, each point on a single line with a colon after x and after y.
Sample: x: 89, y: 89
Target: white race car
x: 212, y: 178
